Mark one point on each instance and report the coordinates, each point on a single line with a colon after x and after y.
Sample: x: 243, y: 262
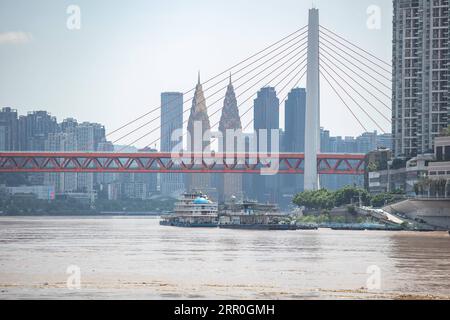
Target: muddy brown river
x: 136, y: 258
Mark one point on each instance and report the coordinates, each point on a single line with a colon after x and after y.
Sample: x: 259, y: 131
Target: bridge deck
x: 79, y: 162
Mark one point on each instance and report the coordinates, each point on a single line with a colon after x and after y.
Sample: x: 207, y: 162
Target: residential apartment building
x: 420, y: 75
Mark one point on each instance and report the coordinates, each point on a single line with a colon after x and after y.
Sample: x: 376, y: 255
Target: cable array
x: 243, y: 84
x: 355, y: 75
x: 346, y: 67
x: 272, y: 51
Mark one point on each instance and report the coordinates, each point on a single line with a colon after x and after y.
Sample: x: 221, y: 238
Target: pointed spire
x: 198, y: 77
x: 230, y: 78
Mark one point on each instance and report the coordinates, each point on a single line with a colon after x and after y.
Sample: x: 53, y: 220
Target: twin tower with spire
x: 224, y: 185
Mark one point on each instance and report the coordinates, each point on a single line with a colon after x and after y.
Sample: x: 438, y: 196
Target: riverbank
x: 304, y: 223
x: 88, y: 214
x: 26, y: 206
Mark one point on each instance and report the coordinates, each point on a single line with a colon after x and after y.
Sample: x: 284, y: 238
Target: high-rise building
x: 104, y: 178
x: 9, y: 130
x: 128, y: 185
x: 267, y: 113
x: 230, y: 185
x: 366, y: 142
x: 420, y: 74
x: 22, y: 133
x: 88, y: 136
x: 68, y: 124
x: 39, y: 131
x: 295, y: 107
x: 266, y: 117
x: 66, y: 181
x: 198, y: 124
x: 171, y: 120
x: 34, y: 129
x: 150, y: 180
x: 384, y: 141
x: 294, y: 139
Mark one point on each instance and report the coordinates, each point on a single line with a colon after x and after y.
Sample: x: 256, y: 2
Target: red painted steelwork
x: 289, y: 163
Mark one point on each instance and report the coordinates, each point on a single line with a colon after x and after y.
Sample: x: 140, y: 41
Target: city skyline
x: 268, y: 106
x: 228, y: 150
x: 69, y: 135
x: 124, y: 77
x: 132, y: 148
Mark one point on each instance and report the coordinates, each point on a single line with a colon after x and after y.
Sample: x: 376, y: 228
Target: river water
x: 136, y: 258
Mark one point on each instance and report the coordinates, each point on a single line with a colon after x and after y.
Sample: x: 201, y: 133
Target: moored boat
x: 249, y: 215
x: 193, y: 210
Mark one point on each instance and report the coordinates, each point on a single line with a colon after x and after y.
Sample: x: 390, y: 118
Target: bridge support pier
x: 312, y: 129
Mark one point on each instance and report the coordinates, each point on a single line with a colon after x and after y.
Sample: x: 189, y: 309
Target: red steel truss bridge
x: 77, y: 162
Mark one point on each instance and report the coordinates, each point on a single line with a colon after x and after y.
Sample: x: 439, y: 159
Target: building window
x: 439, y: 154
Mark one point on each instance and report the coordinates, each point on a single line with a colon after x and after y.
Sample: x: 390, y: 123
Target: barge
x: 193, y: 210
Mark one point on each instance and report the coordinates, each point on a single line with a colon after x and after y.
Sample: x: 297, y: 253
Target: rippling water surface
x: 135, y: 258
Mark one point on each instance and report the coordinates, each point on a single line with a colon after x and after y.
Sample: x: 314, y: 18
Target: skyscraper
x: 266, y: 117
x: 420, y: 74
x: 88, y: 136
x: 295, y: 107
x: 171, y: 120
x: 105, y: 178
x: 61, y: 141
x: 230, y: 184
x: 34, y: 129
x: 198, y: 124
x: 267, y: 112
x: 9, y: 131
x: 366, y: 142
x: 294, y: 138
x: 148, y: 180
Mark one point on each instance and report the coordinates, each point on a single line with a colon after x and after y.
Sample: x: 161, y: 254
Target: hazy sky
x: 127, y: 52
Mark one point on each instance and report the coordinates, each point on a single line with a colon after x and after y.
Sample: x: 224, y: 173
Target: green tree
x: 349, y: 195
x: 320, y: 200
x: 383, y: 199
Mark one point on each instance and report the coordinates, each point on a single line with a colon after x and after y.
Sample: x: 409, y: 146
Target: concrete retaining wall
x: 434, y: 212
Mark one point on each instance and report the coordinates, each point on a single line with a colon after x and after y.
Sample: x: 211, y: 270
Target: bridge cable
x: 355, y: 58
x: 362, y: 96
x: 268, y: 83
x: 220, y: 74
x: 216, y: 92
x: 295, y: 76
x: 363, y: 50
x: 205, y: 90
x: 240, y: 94
x: 279, y: 105
x: 353, y: 99
x: 356, y: 66
x: 343, y: 101
x: 260, y: 72
x: 352, y: 50
x: 223, y: 97
x: 356, y: 81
